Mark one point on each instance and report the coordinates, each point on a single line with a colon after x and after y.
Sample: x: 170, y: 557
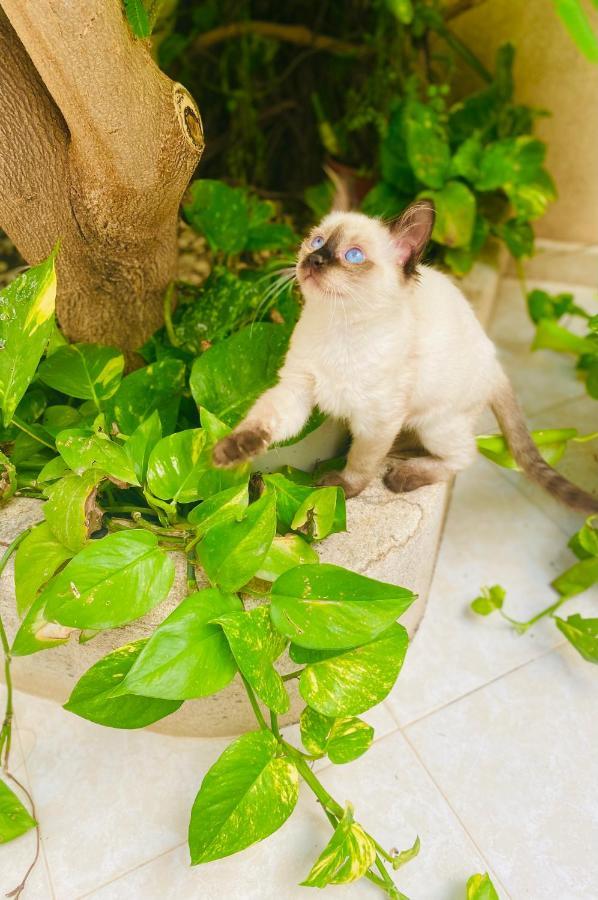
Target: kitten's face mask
x: 350, y: 253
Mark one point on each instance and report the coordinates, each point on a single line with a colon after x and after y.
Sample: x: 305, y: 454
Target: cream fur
x: 383, y: 352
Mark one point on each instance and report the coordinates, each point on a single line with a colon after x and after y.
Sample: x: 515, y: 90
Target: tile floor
x: 486, y: 748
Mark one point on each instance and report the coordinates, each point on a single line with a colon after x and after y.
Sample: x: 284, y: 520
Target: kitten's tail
x: 509, y: 414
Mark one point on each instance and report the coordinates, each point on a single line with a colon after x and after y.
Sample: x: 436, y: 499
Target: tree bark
x: 97, y: 146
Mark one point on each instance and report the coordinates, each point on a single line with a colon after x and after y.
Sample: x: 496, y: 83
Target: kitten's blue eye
x: 355, y: 255
x: 317, y: 242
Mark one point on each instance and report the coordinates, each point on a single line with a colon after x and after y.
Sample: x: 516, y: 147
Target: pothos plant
x: 124, y: 487
x: 549, y: 312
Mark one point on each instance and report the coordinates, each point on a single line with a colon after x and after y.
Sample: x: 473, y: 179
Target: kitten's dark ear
x: 411, y: 232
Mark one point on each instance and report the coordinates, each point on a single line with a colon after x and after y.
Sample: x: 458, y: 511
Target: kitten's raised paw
x: 239, y: 446
x: 335, y: 479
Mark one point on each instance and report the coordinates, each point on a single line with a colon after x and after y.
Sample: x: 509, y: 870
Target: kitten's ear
x: 411, y: 232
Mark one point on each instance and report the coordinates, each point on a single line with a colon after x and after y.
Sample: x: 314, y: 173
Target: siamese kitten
x: 389, y: 346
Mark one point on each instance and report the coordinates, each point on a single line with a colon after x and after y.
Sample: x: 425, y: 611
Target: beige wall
x: 551, y: 73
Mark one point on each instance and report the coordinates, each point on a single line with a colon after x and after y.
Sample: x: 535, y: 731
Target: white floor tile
x: 393, y: 797
x: 107, y: 800
x: 493, y: 535
x: 517, y: 761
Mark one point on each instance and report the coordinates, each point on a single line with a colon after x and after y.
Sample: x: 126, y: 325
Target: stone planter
x: 389, y: 537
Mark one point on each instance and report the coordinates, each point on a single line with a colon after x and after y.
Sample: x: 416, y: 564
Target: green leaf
x: 552, y: 336
x: 71, y: 510
x: 176, y: 465
x: 479, y: 887
x: 286, y: 552
x: 82, y: 449
x: 518, y: 236
x: 229, y: 504
x: 92, y: 697
x: 246, y: 795
x: 231, y: 375
x: 321, y: 513
x: 110, y: 582
x: 289, y: 497
x: 342, y: 739
x: 8, y: 478
x: 352, y: 681
x: 155, y: 387
x: 232, y: 551
x: 347, y: 856
x: 86, y: 371
x: 14, y: 818
x: 405, y: 856
x: 26, y: 320
x: 455, y: 207
x: 53, y: 470
x: 60, y: 417
x: 402, y: 10
x: 578, y: 578
x: 215, y: 481
x: 271, y: 236
x: 328, y: 607
x: 578, y: 25
x: 542, y: 305
x: 186, y: 656
x: 467, y: 158
x: 582, y: 633
x: 491, y: 599
x: 427, y: 144
x: 141, y: 443
x: 584, y: 542
x: 511, y: 161
x: 36, y: 560
x: 37, y: 632
x: 138, y: 18
x: 531, y: 198
x: 551, y: 442
x: 255, y: 645
x: 220, y: 212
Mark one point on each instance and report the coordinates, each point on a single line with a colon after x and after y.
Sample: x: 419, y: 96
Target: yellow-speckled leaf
x: 246, y: 795
x: 343, y: 740
x: 36, y: 560
x: 479, y: 887
x: 176, y: 465
x: 86, y: 371
x: 26, y: 319
x: 347, y: 856
x: 71, y: 510
x: 82, y: 448
x: 14, y: 818
x: 255, y: 645
x: 351, y: 681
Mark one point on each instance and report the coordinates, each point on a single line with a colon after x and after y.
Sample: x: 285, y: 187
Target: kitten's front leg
x: 280, y: 413
x: 369, y: 448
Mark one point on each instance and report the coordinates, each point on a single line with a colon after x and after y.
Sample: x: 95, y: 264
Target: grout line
x: 436, y: 709
x: 140, y: 865
x: 457, y: 816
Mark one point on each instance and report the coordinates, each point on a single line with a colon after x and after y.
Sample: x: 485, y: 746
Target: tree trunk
x: 97, y: 147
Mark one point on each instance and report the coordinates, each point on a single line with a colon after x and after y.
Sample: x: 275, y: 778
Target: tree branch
x: 291, y: 34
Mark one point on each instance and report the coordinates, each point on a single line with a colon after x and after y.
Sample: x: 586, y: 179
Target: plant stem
x: 22, y: 426
x: 548, y: 611
x: 274, y: 726
x: 254, y: 704
x: 295, y: 674
x: 116, y: 508
x: 293, y: 34
x: 168, y: 297
x: 6, y: 731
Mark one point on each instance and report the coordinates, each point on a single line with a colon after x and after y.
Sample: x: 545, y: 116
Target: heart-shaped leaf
x: 141, y: 443
x: 551, y: 442
x: 578, y: 578
x: 36, y: 560
x: 246, y: 795
x: 86, y: 371
x: 479, y: 887
x: 322, y: 513
x: 155, y: 387
x: 286, y: 552
x: 229, y: 504
x: 326, y: 606
x: 71, y: 510
x: 37, y: 633
x: 176, y: 465
x: 352, y: 681
x: 347, y: 856
x: 110, y: 582
x: 186, y: 656
x: 14, y: 818
x: 343, y: 740
x: 255, y: 645
x: 26, y: 320
x: 232, y: 552
x: 82, y: 448
x: 92, y: 697
x: 289, y: 497
x: 582, y: 633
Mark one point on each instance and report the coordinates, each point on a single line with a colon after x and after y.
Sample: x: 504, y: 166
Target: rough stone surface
x: 393, y: 538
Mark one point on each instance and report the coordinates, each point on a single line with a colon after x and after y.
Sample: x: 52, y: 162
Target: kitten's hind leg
x: 452, y: 447
x: 365, y: 458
